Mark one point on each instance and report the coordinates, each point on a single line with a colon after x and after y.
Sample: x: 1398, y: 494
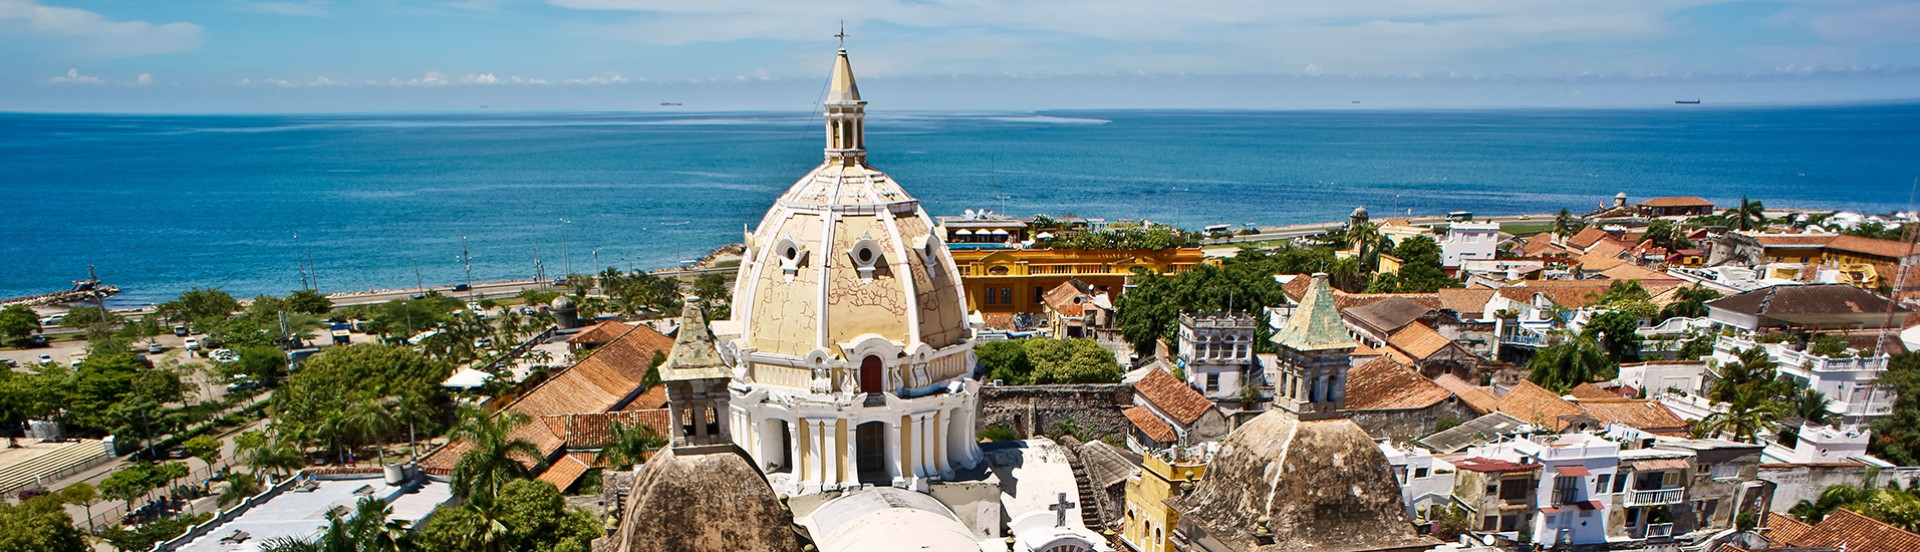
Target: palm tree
x: 1750, y: 215
x: 1753, y: 369
x: 1565, y: 224
x: 368, y: 420
x: 1750, y: 411
x: 289, y: 544
x: 267, y: 453
x: 1571, y: 362
x: 493, y: 454
x: 1810, y: 405
x: 412, y: 409
x: 372, y: 529
x: 630, y: 445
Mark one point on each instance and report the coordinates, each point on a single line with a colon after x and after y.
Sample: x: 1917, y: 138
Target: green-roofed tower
x: 1314, y: 352
x: 696, y: 380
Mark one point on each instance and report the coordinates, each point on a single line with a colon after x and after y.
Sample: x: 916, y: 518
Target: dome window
x: 928, y: 246
x: 791, y: 254
x: 866, y: 257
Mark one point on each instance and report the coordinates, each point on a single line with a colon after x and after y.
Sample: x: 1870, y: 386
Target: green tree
x: 267, y: 452
x: 239, y: 487
x: 494, y: 455
x: 1749, y: 215
x: 1896, y: 437
x: 463, y: 528
x: 538, y: 519
x: 1876, y: 230
x: 1071, y: 361
x: 1005, y: 361
x: 1689, y: 302
x: 38, y: 525
x: 1900, y: 508
x: 1750, y: 411
x: 1810, y: 405
x: 130, y: 483
x: 328, y: 382
x: 629, y: 445
x: 1573, y: 361
x: 1566, y: 224
x: 197, y: 305
x: 308, y: 301
x: 95, y: 320
x: 1420, y: 269
x: 80, y: 494
x: 1752, y: 369
x: 204, y: 447
x: 17, y: 323
x: 1663, y: 233
x: 1614, y: 330
x: 1830, y: 346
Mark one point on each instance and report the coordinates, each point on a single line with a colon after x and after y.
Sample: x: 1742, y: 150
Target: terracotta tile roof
x: 568, y: 469
x: 1783, y: 528
x: 1346, y: 300
x: 1538, y: 406
x: 1296, y: 288
x: 600, y: 334
x: 1587, y: 237
x: 1583, y: 293
x: 653, y: 398
x: 592, y: 431
x: 1855, y: 532
x: 1641, y: 414
x: 1066, y: 299
x: 1792, y: 240
x: 1365, y: 350
x: 1389, y: 314
x: 1591, y: 391
x: 1173, y: 397
x: 1606, y: 248
x: 1869, y: 246
x: 1387, y: 385
x: 1465, y: 301
x: 1479, y: 400
x: 1686, y: 201
x: 1419, y: 341
x: 1627, y: 271
x: 597, y: 383
x: 997, y: 320
x: 1541, y: 245
x: 1806, y: 299
x: 1151, y: 425
x: 1490, y: 465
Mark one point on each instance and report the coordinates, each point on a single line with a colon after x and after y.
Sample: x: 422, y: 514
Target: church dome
x: 1320, y: 485
x: 846, y: 266
x: 702, y: 503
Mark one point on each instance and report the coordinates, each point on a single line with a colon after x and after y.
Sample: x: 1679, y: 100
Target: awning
x: 1573, y: 471
x: 466, y: 378
x: 1591, y: 505
x: 963, y: 232
x: 999, y: 232
x: 1045, y: 236
x: 1660, y: 464
x: 1549, y: 510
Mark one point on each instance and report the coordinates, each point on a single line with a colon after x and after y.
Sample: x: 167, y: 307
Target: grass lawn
x: 1526, y: 228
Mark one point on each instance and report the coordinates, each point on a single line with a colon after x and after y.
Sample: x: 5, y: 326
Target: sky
x: 238, y: 56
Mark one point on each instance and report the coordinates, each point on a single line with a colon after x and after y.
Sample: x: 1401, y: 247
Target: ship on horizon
x: 1687, y: 102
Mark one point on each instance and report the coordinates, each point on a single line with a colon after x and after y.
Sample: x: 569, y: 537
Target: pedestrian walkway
x: 36, y: 463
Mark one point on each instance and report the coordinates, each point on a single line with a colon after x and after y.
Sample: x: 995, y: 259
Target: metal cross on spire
x: 843, y: 34
x: 1060, y: 510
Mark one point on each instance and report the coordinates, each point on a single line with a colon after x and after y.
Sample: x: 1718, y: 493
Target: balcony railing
x: 1656, y: 530
x: 1656, y: 497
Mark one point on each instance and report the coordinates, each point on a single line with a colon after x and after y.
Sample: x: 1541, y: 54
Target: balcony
x: 1658, y: 530
x: 1656, y: 497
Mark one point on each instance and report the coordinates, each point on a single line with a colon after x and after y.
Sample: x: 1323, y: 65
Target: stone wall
x: 1797, y: 482
x: 1033, y: 409
x: 1409, y: 424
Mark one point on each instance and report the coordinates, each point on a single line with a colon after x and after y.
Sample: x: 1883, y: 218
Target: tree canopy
x: 17, y: 322
x: 39, y: 525
x: 1896, y: 437
x: 329, y: 382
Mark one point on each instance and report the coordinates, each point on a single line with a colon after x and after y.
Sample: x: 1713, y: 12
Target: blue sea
x: 162, y: 203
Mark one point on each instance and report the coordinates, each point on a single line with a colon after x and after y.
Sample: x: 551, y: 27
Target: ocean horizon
x: 160, y: 203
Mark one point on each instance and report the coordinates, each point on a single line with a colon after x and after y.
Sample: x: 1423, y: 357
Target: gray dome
x: 1360, y: 211
x: 561, y: 302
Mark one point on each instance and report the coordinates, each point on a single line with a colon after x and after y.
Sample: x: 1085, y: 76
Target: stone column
x: 830, y: 450
x: 850, y: 473
x: 893, y: 453
x: 925, y: 452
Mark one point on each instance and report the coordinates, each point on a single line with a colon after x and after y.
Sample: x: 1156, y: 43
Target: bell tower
x: 846, y: 114
x: 1314, y: 352
x: 696, y: 381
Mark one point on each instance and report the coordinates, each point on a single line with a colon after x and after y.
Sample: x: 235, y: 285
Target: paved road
x: 1302, y: 230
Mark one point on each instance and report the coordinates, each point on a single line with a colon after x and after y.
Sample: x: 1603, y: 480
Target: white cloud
x: 145, y: 79
x: 316, y: 8
x: 483, y: 78
x: 73, y: 76
x: 89, y: 34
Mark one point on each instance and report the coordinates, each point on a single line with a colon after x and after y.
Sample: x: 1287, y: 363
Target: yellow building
x: 1148, y: 521
x: 1017, y: 280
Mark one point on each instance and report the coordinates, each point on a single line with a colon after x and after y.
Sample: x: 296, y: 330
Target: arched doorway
x: 776, y: 446
x: 870, y: 446
x: 873, y: 378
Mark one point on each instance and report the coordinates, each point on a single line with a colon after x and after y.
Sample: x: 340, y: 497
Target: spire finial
x: 842, y: 35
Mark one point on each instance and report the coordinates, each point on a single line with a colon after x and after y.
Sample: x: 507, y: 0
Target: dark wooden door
x: 872, y: 380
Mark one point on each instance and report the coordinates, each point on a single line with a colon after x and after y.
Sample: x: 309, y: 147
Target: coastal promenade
x: 1270, y: 233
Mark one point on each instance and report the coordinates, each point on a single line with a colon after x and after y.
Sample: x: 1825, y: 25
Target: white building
x: 850, y: 351
x: 1469, y: 241
x: 1850, y: 382
x: 1572, y: 505
x: 1216, y: 350
x: 1426, y: 482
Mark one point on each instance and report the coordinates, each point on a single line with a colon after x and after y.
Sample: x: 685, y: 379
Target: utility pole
x: 565, y: 263
x: 419, y: 283
x: 467, y: 258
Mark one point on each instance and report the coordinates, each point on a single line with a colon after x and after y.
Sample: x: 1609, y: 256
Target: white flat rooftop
x: 304, y: 514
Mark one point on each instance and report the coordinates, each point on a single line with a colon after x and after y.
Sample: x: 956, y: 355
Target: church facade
x: 849, y: 347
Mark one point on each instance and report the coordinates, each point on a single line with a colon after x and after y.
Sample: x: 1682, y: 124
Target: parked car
x: 8, y: 362
x: 54, y: 320
x: 74, y: 360
x: 181, y: 330
x: 224, y: 356
x: 462, y: 287
x: 241, y: 383
x: 192, y: 344
x: 154, y: 348
x: 46, y: 359
x: 527, y: 311
x: 483, y: 343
